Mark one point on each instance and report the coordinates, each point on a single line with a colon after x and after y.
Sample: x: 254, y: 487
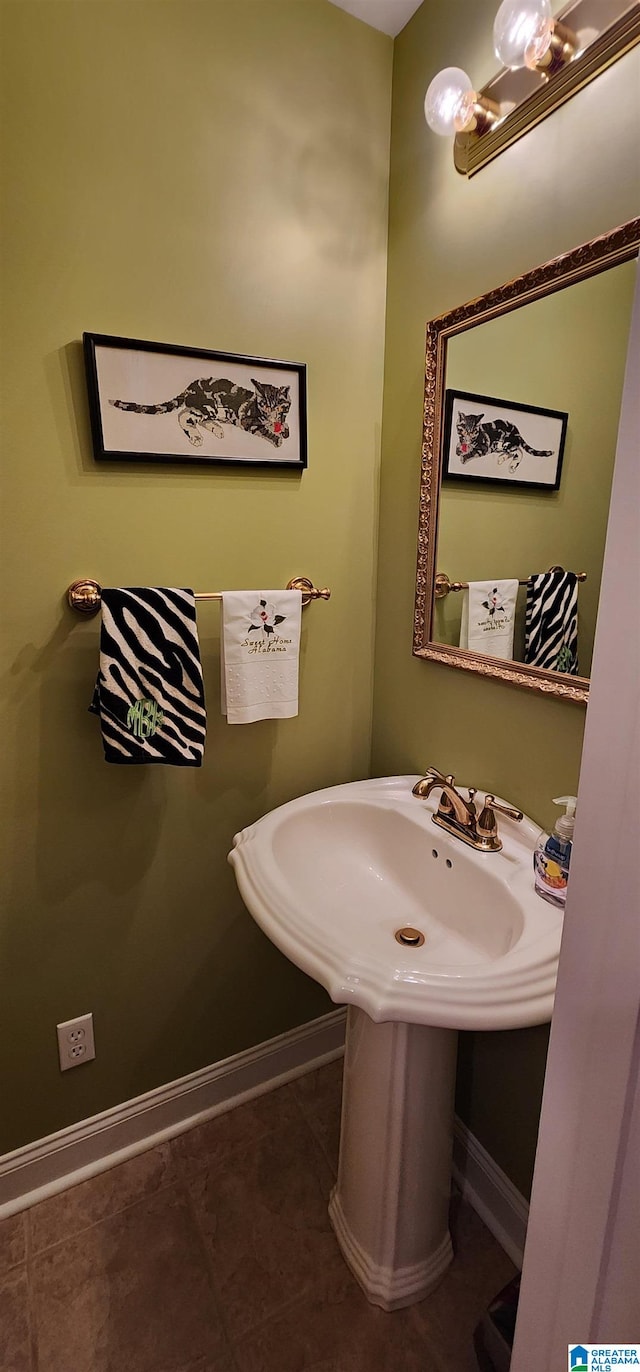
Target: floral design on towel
x: 495, y: 604
x: 264, y: 619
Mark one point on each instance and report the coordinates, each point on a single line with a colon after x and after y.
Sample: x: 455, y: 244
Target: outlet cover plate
x: 75, y: 1042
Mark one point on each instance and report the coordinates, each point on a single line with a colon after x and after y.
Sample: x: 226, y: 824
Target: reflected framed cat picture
x: 156, y: 402
x: 502, y: 441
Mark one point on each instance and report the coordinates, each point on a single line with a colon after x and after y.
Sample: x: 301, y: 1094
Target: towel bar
x: 443, y: 585
x: 85, y: 596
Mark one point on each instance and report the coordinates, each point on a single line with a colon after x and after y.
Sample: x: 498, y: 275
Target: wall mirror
x: 537, y: 364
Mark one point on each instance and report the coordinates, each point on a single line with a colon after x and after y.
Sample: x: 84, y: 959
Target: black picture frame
x: 123, y: 373
x: 502, y: 465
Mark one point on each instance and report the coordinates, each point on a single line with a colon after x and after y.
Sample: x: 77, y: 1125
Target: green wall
x: 451, y: 239
x: 214, y: 175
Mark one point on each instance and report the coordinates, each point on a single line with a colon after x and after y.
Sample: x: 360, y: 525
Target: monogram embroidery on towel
x: 144, y: 718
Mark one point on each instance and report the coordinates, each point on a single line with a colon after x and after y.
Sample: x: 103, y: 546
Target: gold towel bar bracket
x: 442, y: 584
x: 85, y: 596
x: 309, y: 591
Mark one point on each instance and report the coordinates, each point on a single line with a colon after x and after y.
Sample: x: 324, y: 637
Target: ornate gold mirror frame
x: 599, y: 255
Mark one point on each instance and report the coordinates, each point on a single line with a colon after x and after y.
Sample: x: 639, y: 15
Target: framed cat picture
x: 157, y: 402
x: 502, y: 441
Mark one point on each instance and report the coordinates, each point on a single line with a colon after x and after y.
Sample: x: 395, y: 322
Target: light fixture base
x: 483, y: 114
x: 562, y: 49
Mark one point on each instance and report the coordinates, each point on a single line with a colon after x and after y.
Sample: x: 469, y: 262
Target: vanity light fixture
x: 545, y: 61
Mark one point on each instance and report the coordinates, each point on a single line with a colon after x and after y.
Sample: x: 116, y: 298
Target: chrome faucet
x: 459, y: 816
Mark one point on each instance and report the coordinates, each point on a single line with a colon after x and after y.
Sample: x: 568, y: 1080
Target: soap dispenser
x: 553, y: 854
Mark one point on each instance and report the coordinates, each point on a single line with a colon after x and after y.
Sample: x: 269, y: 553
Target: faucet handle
x: 487, y: 827
x: 504, y: 809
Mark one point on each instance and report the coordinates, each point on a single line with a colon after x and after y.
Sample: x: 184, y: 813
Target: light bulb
x: 522, y: 32
x: 448, y: 104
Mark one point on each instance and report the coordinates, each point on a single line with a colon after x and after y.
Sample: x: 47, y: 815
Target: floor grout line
x: 104, y: 1219
x: 330, y: 1161
x: 208, y: 1259
x: 276, y: 1313
x: 32, y: 1311
x: 209, y: 1264
x: 308, y: 1118
x: 202, y: 1170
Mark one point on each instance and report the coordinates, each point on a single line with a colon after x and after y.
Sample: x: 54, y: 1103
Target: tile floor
x: 213, y: 1253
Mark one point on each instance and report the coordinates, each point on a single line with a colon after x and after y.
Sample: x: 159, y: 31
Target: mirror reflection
x: 565, y: 354
x: 522, y: 400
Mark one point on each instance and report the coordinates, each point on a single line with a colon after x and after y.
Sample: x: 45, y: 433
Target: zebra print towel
x: 149, y: 693
x: 551, y: 621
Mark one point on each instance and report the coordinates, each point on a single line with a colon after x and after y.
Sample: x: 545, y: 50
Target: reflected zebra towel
x: 149, y: 693
x: 551, y: 621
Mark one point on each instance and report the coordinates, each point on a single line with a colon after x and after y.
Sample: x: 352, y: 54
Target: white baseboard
x: 52, y: 1164
x: 488, y: 1189
x: 72, y: 1155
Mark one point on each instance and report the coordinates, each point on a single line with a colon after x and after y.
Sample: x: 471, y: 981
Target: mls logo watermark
x: 591, y: 1357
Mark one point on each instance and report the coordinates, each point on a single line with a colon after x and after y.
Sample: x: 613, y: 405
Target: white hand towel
x: 488, y: 618
x: 259, y: 654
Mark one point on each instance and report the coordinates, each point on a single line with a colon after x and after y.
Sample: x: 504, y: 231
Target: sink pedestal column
x: 390, y: 1206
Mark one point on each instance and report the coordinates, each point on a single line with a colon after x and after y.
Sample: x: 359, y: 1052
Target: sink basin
x: 332, y: 877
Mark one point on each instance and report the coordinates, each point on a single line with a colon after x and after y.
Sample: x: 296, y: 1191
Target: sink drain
x: 410, y: 936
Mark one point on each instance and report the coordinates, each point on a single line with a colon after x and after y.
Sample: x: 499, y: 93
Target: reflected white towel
x: 259, y: 654
x: 488, y: 618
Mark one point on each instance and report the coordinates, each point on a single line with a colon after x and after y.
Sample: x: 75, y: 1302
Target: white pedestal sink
x: 332, y: 878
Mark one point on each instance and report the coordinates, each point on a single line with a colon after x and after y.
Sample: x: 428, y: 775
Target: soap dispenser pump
x: 552, y: 855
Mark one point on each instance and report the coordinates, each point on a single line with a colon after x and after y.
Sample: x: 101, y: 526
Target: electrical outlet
x: 75, y: 1042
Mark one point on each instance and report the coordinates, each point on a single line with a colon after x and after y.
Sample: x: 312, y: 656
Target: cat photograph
x: 488, y: 439
x: 157, y: 402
